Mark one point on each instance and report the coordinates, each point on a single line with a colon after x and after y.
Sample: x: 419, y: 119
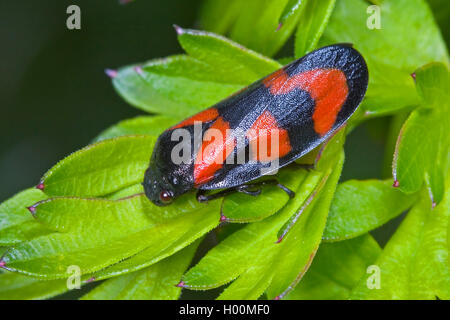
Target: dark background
x: 55, y: 97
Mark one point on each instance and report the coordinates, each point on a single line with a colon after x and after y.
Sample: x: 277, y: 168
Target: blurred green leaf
x: 423, y: 144
x: 414, y: 263
x: 392, y: 52
x: 16, y: 222
x: 361, y: 206
x: 15, y: 286
x: 156, y: 282
x: 313, y: 20
x: 96, y: 233
x: 142, y: 125
x: 183, y: 85
x: 219, y: 15
x: 337, y: 269
x: 101, y: 168
x: 258, y: 24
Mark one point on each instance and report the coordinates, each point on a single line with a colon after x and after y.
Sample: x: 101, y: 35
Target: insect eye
x: 165, y: 196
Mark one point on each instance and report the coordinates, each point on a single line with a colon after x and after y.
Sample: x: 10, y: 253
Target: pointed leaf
x: 16, y: 222
x: 156, y: 282
x: 291, y: 263
x: 236, y: 253
x: 423, y: 144
x: 96, y: 233
x: 373, y: 203
x: 101, y: 168
x: 183, y: 85
x: 336, y: 269
x: 414, y: 263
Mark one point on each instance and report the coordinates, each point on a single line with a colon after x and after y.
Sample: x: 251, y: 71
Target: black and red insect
x: 305, y: 101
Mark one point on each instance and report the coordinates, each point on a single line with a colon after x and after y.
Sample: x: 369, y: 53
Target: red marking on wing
x: 328, y: 88
x: 261, y: 133
x: 204, y: 116
x: 216, y: 147
x: 276, y: 81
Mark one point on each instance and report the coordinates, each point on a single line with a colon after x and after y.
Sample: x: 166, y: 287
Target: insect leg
x: 248, y: 189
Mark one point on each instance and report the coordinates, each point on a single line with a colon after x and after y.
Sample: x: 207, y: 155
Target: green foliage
x: 92, y: 213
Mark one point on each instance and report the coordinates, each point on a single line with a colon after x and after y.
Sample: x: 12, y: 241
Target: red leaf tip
x: 40, y: 186
x: 181, y: 284
x: 178, y: 29
x: 223, y: 218
x: 90, y: 280
x: 2, y: 264
x: 139, y: 70
x: 413, y: 75
x: 396, y: 184
x: 32, y: 209
x: 111, y: 73
x: 280, y: 25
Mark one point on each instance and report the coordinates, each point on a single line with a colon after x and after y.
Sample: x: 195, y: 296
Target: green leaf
x: 231, y: 257
x: 252, y: 254
x: 156, y: 282
x: 219, y: 15
x: 414, y: 263
x: 183, y: 85
x: 16, y: 222
x: 96, y: 233
x: 423, y: 144
x: 237, y: 64
x: 313, y: 20
x: 337, y: 269
x: 101, y: 168
x: 290, y: 9
x: 291, y: 263
x: 142, y: 125
x: 258, y: 25
x: 392, y: 52
x: 242, y: 208
x: 373, y: 203
x: 15, y: 286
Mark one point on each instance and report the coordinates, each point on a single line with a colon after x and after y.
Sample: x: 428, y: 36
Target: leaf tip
x: 277, y: 298
x: 223, y: 218
x: 396, y: 184
x: 40, y: 186
x: 111, y: 73
x: 413, y: 75
x: 181, y: 284
x: 32, y: 209
x: 92, y: 279
x: 179, y: 30
x: 280, y: 25
x: 280, y: 239
x: 138, y: 70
